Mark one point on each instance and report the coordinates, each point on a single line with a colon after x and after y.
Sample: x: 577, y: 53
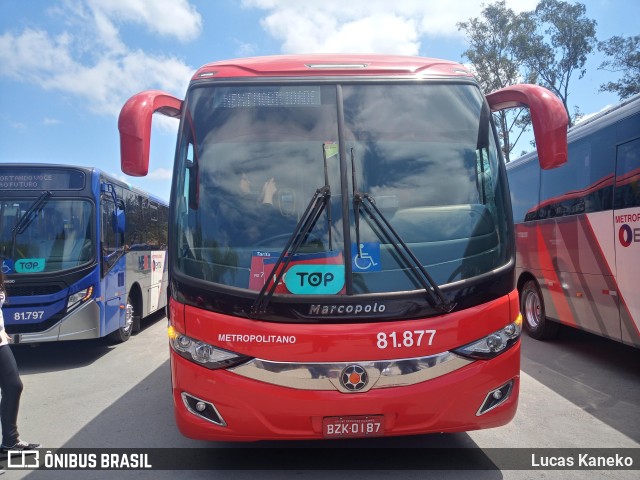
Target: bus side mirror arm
x: 134, y: 125
x: 548, y: 116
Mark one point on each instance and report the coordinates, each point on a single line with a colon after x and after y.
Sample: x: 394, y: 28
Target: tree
x: 553, y: 45
x: 491, y: 54
x: 625, y: 53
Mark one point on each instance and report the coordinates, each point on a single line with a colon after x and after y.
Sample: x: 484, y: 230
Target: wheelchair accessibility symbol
x: 366, y: 258
x: 7, y: 266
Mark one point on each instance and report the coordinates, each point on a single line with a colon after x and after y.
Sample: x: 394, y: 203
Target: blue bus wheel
x: 123, y: 333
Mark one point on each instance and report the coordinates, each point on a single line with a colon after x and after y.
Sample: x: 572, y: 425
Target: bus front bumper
x: 83, y: 323
x: 249, y: 410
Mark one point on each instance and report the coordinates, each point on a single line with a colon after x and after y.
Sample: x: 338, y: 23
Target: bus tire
x: 120, y: 335
x: 135, y: 313
x: 123, y: 333
x: 534, y: 316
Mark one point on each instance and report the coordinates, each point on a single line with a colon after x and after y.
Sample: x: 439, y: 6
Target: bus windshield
x: 56, y: 235
x: 252, y: 157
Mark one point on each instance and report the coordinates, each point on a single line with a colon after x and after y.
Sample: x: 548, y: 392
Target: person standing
x: 10, y: 387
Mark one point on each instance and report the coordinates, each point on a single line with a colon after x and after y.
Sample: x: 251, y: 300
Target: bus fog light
x: 495, y: 398
x: 203, y: 409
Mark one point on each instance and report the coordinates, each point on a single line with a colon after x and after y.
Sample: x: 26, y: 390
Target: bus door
x: 113, y: 260
x: 627, y: 238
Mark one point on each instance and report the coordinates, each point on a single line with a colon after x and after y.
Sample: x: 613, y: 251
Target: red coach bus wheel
x: 532, y: 307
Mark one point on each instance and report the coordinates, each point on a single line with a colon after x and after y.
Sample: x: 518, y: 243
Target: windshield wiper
x: 367, y: 203
x: 326, y: 184
x: 306, y: 223
x: 28, y: 217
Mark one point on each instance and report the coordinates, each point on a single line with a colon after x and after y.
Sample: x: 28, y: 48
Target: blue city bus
x: 83, y: 253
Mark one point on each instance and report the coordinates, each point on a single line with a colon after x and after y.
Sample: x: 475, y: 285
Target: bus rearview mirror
x: 548, y: 117
x: 134, y: 125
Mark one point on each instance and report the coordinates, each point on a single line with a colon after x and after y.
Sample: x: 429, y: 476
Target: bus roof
x: 332, y: 65
x: 601, y: 119
x: 608, y: 115
x: 89, y: 170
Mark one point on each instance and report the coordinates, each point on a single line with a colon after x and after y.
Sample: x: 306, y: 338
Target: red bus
x: 578, y: 231
x: 341, y: 253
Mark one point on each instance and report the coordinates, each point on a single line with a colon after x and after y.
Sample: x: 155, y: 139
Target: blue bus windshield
x: 58, y: 238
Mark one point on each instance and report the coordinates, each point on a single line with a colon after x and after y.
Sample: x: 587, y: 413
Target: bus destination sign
x: 41, y: 179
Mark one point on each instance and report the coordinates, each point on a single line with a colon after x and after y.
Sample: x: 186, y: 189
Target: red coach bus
x: 341, y: 252
x: 578, y: 231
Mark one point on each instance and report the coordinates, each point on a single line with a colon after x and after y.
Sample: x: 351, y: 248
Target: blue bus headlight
x: 493, y: 344
x: 79, y: 298
x: 202, y: 353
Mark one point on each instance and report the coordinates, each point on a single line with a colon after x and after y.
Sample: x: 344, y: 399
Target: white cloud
x: 18, y: 125
x: 157, y: 181
x: 123, y: 178
x: 588, y: 116
x: 160, y: 174
x: 50, y: 121
x: 34, y: 51
x: 175, y: 18
x: 245, y: 49
x: 166, y: 124
x: 90, y: 62
x: 366, y: 26
x: 382, y: 33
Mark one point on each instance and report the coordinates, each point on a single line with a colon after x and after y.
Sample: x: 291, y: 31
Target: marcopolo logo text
x: 356, y: 309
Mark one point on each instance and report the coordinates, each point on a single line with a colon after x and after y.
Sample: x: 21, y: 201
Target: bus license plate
x: 354, y: 426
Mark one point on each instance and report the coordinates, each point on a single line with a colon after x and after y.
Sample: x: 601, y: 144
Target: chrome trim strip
x: 326, y: 376
x: 336, y: 66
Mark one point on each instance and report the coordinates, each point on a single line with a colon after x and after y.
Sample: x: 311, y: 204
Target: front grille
x: 23, y: 290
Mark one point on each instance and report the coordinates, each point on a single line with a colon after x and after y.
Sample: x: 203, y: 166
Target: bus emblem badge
x: 354, y: 378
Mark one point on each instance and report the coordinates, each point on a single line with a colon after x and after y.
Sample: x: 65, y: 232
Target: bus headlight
x: 494, y: 344
x: 78, y: 298
x: 202, y: 353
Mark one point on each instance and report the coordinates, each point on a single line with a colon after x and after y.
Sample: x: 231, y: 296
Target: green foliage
x: 491, y: 54
x: 625, y: 53
x: 548, y: 46
x: 554, y: 43
x: 490, y: 39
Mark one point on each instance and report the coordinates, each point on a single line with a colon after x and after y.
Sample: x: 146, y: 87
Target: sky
x: 68, y: 66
